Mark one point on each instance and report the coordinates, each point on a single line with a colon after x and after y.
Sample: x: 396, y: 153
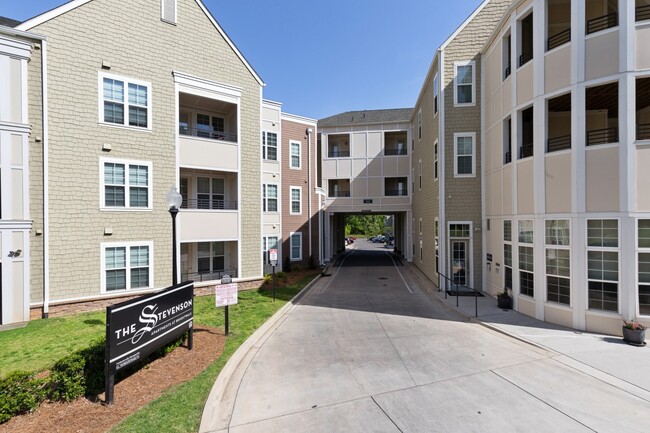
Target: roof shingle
x: 367, y: 116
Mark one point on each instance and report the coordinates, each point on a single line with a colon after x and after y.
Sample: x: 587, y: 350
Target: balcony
x: 396, y: 187
x: 338, y: 146
x: 525, y: 151
x: 602, y: 136
x: 209, y: 204
x: 643, y: 131
x: 558, y: 143
x: 338, y: 154
x: 603, y: 22
x: 558, y: 39
x: 338, y: 188
x: 643, y: 13
x: 208, y: 276
x: 203, y: 133
x: 209, y: 260
x: 395, y: 143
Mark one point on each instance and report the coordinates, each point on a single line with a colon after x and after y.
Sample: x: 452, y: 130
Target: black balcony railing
x: 338, y: 154
x: 558, y: 143
x: 525, y: 151
x: 643, y: 131
x: 643, y: 13
x: 209, y: 204
x: 558, y: 39
x: 208, y: 276
x: 507, y: 72
x: 508, y: 158
x: 204, y: 133
x: 602, y: 23
x: 393, y: 152
x: 339, y: 194
x: 526, y: 56
x: 602, y: 136
x: 396, y: 192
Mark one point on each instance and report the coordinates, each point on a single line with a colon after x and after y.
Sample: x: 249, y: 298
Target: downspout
x: 46, y: 182
x: 309, y: 132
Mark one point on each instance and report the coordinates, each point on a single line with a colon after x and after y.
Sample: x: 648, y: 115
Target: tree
x: 364, y: 225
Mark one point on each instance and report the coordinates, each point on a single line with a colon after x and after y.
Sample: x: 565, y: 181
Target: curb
x: 218, y: 408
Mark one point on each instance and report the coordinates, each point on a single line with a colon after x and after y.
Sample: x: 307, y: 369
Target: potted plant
x: 504, y: 301
x: 634, y: 333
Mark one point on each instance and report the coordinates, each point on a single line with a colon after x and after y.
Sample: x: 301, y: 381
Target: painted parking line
x: 400, y: 274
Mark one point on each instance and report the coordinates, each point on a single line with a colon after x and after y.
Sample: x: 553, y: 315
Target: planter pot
x: 504, y: 302
x: 634, y: 337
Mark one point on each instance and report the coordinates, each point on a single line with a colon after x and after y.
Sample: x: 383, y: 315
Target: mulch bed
x: 131, y: 394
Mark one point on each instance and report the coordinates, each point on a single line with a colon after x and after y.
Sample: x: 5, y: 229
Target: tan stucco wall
x: 79, y: 41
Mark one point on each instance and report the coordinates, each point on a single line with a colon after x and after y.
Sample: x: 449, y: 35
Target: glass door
x: 459, y: 263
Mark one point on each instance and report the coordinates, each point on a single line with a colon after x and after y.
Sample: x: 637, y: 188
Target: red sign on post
x: 225, y: 294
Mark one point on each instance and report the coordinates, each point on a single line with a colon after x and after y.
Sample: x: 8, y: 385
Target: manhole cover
x: 383, y: 278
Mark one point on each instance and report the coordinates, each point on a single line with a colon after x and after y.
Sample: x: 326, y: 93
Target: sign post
x: 137, y: 328
x: 273, y: 257
x: 226, y: 294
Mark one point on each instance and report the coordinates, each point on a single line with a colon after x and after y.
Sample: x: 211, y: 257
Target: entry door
x: 459, y: 262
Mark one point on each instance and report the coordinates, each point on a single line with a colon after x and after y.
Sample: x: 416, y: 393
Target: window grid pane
x: 507, y: 230
x: 526, y: 231
x: 557, y: 232
x: 602, y: 233
x: 644, y: 233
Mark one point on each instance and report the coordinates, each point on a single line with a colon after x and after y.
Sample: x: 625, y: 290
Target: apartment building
x: 19, y: 53
x: 566, y: 116
x: 122, y: 127
x: 446, y: 154
x: 365, y: 165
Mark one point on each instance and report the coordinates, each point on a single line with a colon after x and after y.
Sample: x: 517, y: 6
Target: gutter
x: 46, y: 183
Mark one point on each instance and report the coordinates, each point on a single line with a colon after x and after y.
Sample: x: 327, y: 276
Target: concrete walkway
x: 374, y: 347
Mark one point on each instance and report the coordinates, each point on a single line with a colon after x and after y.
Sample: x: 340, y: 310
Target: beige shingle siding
x: 138, y: 45
x: 465, y: 193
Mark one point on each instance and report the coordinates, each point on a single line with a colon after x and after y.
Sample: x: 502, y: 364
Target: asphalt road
x: 366, y: 350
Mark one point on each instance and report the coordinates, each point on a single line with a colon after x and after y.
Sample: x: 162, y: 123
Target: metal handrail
x: 209, y: 204
x: 339, y: 194
x: 525, y: 57
x: 601, y: 23
x: 525, y: 151
x: 507, y: 72
x: 558, y: 39
x: 208, y: 276
x: 508, y: 157
x: 643, y: 13
x: 602, y: 136
x: 338, y: 154
x: 396, y: 192
x: 643, y: 131
x: 395, y: 151
x: 203, y: 133
x: 446, y: 278
x: 558, y: 143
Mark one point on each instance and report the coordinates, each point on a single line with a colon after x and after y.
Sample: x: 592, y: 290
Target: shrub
x: 286, y: 265
x: 280, y: 275
x: 20, y: 393
x: 78, y: 374
x: 312, y: 263
x: 268, y: 279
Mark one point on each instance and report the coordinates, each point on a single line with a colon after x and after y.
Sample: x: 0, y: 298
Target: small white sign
x: 273, y: 255
x: 225, y: 294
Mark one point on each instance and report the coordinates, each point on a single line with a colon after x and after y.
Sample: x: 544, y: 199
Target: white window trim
x: 265, y: 199
x: 127, y: 81
x: 420, y: 124
x: 641, y: 250
x: 436, y: 93
x: 436, y: 152
x: 127, y: 245
x: 265, y: 240
x: 473, y: 65
x: 162, y: 13
x: 458, y: 135
x: 291, y: 258
x: 127, y: 207
x: 291, y: 189
x: 265, y: 146
x: 605, y: 249
x: 531, y: 245
x: 291, y: 143
x: 546, y: 274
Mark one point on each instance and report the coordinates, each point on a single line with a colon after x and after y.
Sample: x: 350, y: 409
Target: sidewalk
x: 605, y: 357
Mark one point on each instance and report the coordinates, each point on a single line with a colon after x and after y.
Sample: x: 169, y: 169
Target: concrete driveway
x: 367, y: 350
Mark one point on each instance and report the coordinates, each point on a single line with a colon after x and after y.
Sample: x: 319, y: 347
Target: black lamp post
x: 174, y: 201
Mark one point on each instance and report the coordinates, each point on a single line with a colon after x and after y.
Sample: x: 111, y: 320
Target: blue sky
x: 325, y: 57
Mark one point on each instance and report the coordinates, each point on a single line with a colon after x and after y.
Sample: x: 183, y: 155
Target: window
x: 526, y: 41
x: 602, y: 265
x: 507, y: 141
x: 125, y: 184
x: 558, y: 25
x: 601, y: 114
x: 600, y: 15
x: 527, y: 133
x: 464, y: 162
x: 126, y: 266
x: 435, y: 160
x: 643, y: 102
x: 464, y: 89
x: 210, y: 193
x: 558, y: 125
x: 211, y: 257
x: 420, y: 172
x: 643, y: 243
x: 642, y: 10
x: 507, y: 253
x: 421, y: 239
x: 270, y: 146
x: 296, y: 246
x: 436, y: 84
x: 507, y: 56
x: 268, y: 243
x: 124, y: 102
x: 296, y: 207
x: 526, y: 269
x: 168, y: 11
x: 270, y: 198
x: 420, y: 124
x: 295, y: 154
x: 558, y: 262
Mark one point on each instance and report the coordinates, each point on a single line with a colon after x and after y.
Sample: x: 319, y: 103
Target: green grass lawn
x: 41, y: 343
x: 180, y: 408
